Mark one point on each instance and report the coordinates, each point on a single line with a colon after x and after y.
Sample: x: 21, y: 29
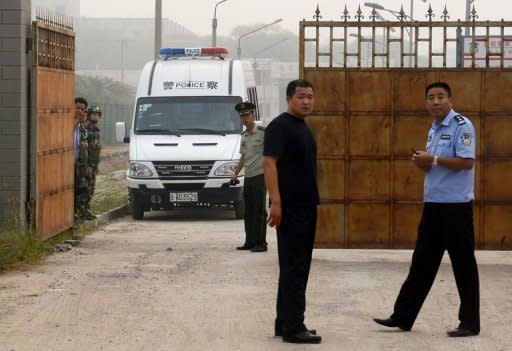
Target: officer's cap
x: 245, y: 107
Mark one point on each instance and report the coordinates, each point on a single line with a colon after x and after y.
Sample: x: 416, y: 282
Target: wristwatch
x: 434, y: 162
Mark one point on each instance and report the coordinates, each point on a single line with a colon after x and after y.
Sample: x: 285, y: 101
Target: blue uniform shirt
x: 76, y: 142
x: 453, y: 137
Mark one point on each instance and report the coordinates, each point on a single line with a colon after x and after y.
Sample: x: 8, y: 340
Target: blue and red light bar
x: 182, y: 52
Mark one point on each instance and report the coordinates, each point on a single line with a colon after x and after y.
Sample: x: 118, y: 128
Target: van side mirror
x: 121, y: 136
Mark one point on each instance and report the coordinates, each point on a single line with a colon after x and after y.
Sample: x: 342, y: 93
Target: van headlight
x: 138, y: 170
x: 226, y: 169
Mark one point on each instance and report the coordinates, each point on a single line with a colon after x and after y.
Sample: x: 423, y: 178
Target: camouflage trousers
x: 92, y: 183
x: 81, y: 192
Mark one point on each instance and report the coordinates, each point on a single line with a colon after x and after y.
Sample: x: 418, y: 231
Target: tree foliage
x: 101, y: 89
x: 129, y: 47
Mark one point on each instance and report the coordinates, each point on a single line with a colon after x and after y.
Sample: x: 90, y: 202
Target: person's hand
x: 84, y: 145
x: 275, y: 215
x: 233, y: 178
x: 422, y: 159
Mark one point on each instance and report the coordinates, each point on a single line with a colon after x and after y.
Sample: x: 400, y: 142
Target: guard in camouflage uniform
x: 251, y: 149
x: 94, y: 149
x: 81, y: 166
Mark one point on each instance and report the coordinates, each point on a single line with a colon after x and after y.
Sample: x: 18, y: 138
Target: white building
x: 272, y: 77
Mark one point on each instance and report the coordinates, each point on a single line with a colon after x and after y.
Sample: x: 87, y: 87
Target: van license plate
x: 183, y: 197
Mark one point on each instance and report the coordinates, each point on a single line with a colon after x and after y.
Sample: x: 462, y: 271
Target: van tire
x: 239, y: 209
x: 137, y: 210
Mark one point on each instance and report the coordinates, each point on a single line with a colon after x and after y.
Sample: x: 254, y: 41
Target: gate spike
x: 359, y: 14
x: 374, y: 15
x: 317, y: 13
x: 402, y: 15
x: 474, y: 16
x: 345, y: 14
x: 430, y: 13
x: 445, y: 14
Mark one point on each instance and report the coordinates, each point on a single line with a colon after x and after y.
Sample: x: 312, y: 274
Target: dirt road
x: 175, y: 282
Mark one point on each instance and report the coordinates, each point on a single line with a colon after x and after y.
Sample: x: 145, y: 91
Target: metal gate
x: 53, y: 87
x: 370, y: 110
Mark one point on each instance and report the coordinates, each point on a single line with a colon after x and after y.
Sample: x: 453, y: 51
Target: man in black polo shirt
x: 289, y: 164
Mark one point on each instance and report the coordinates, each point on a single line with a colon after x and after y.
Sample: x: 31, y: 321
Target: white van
x: 185, y: 136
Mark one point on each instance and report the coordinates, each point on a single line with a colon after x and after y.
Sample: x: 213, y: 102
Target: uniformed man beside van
x: 251, y: 150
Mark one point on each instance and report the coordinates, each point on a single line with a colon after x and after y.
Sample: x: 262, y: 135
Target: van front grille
x: 178, y: 170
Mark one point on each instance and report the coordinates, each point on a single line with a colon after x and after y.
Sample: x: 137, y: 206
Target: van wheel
x: 239, y: 209
x: 137, y: 210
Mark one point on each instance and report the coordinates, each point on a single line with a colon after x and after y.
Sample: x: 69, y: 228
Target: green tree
x: 104, y: 90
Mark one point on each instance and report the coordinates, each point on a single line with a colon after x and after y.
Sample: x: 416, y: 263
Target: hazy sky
x: 197, y: 14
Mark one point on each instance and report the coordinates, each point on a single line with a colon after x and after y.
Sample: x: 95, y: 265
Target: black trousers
x: 295, y: 238
x: 443, y: 226
x: 255, y: 217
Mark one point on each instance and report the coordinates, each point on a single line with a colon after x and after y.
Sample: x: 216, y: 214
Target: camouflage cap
x: 93, y: 109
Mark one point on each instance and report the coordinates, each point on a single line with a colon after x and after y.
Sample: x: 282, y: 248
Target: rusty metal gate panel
x: 368, y: 117
x: 53, y: 85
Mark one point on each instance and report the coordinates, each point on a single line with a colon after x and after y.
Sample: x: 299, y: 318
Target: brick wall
x: 14, y: 112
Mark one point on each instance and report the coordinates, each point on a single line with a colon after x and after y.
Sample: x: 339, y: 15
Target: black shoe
x: 278, y: 329
x: 303, y: 337
x: 259, y: 248
x: 391, y: 323
x: 460, y: 332
x: 244, y: 247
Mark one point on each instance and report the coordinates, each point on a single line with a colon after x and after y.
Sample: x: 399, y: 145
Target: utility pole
x: 158, y: 27
x: 468, y: 13
x: 214, y: 24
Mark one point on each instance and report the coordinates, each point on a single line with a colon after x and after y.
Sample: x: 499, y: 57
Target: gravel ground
x: 175, y: 282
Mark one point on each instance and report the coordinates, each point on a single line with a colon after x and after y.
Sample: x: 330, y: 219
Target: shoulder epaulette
x: 459, y: 119
x: 261, y: 128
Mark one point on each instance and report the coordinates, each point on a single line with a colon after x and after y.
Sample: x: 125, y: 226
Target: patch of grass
x: 110, y: 192
x: 18, y: 245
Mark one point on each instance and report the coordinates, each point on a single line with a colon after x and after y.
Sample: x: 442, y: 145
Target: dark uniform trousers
x: 295, y: 238
x: 255, y: 217
x: 443, y: 226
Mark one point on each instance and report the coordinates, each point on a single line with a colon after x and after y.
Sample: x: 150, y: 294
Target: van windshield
x: 187, y: 115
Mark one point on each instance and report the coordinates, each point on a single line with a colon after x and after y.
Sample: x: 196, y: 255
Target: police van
x: 185, y: 135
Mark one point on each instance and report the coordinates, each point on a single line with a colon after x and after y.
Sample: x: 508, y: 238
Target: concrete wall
x: 14, y: 112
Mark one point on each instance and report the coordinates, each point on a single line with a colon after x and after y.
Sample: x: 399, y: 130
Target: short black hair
x: 441, y: 85
x: 81, y: 100
x: 292, y: 86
